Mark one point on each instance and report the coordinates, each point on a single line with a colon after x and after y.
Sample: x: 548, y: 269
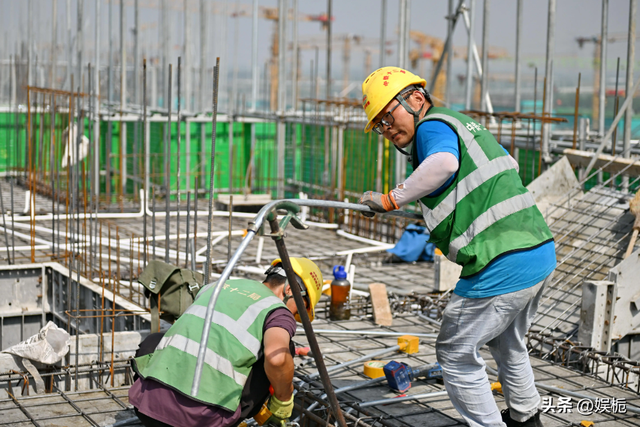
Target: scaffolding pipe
x: 603, y: 65
x: 254, y: 65
x: 383, y: 31
x: 203, y: 41
x: 281, y: 127
x: 469, y: 81
x: 328, y: 88
x: 214, y: 119
x: 448, y: 50
x: 518, y: 94
x: 296, y: 57
x: 484, y: 82
x: 548, y: 89
x: 136, y: 52
x: 631, y: 43
x: 96, y: 115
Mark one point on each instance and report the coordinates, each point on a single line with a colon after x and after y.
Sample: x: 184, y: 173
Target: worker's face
x: 401, y: 130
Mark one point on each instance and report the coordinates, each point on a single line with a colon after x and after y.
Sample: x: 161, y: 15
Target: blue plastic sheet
x: 413, y: 245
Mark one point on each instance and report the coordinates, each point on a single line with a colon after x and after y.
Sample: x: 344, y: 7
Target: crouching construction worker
x: 481, y: 217
x: 249, y: 349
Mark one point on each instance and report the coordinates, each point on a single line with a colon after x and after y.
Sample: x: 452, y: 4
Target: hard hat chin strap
x: 416, y: 118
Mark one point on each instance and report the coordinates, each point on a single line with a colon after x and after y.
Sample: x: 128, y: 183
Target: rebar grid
x: 589, y: 234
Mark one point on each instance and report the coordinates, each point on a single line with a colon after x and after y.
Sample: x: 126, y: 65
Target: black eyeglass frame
x: 378, y: 127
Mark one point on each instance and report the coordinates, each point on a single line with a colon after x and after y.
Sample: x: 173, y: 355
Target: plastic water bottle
x: 340, y: 289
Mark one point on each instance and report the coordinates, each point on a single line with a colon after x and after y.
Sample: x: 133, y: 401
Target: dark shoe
x: 531, y: 422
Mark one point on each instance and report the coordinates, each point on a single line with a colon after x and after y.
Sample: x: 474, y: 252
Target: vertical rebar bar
x: 4, y: 225
x: 614, y: 139
x: 214, y: 119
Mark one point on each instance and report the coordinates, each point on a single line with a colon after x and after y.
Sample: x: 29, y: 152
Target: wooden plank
x: 609, y: 163
x: 380, y: 302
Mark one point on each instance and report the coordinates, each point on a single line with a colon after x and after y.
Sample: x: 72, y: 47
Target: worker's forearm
x: 279, y: 370
x: 430, y: 175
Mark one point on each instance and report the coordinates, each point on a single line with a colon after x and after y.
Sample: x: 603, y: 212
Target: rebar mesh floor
x: 439, y: 411
x: 591, y: 234
x: 73, y: 409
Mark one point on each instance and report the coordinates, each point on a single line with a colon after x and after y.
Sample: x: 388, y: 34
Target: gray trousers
x: 501, y: 323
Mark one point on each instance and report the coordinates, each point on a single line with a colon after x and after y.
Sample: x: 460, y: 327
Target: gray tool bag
x: 170, y: 290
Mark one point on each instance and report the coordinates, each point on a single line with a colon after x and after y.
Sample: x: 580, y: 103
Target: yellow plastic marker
x: 409, y: 344
x: 587, y: 423
x: 496, y: 387
x: 374, y: 368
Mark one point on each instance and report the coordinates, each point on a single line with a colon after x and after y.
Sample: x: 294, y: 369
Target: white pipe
x: 259, y: 251
x: 382, y: 247
x: 359, y: 239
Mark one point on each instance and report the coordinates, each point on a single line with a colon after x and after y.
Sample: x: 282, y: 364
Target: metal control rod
x: 278, y: 237
x: 292, y: 206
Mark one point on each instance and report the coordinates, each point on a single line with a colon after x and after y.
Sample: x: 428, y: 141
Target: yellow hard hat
x: 311, y: 277
x: 382, y: 86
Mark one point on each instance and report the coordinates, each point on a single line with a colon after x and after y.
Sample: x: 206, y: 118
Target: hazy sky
x: 574, y: 18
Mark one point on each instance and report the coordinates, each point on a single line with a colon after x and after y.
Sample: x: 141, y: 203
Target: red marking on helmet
x: 403, y: 72
x: 385, y: 78
x: 367, y: 104
x: 386, y: 83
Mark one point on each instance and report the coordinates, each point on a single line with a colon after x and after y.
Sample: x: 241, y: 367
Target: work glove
x: 378, y: 202
x: 280, y: 411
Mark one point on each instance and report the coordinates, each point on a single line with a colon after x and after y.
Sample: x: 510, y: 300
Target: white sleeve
x: 430, y: 175
x: 515, y: 163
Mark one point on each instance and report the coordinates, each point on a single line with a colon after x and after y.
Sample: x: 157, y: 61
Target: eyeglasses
x: 387, y: 120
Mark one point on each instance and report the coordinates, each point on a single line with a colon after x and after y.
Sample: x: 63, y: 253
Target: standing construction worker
x: 249, y: 349
x: 481, y: 217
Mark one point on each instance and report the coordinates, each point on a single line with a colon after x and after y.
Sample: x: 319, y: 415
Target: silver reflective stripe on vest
x: 238, y: 328
x: 433, y: 217
x: 491, y: 216
x: 233, y: 327
x: 211, y: 358
x: 473, y: 148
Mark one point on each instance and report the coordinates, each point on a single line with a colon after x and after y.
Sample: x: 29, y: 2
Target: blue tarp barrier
x: 413, y: 245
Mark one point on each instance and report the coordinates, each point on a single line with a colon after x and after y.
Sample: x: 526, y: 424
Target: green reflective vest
x: 235, y: 341
x: 486, y: 211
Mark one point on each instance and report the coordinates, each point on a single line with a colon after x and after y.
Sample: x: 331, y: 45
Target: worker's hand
x: 279, y: 409
x: 378, y: 202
